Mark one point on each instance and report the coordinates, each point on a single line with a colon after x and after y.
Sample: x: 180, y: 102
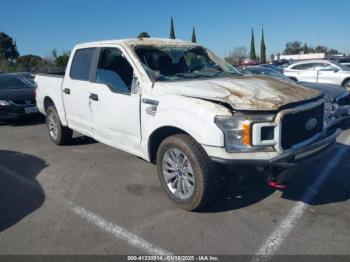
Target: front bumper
x: 289, y: 158
x: 13, y: 111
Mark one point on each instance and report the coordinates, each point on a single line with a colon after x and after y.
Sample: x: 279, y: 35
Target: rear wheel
x: 186, y: 172
x: 59, y: 134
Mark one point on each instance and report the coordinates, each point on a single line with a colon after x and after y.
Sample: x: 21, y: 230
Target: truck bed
x: 49, y: 85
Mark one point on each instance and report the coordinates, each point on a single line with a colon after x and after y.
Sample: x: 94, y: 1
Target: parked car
x: 16, y: 97
x: 274, y: 67
x: 320, y: 71
x: 345, y: 61
x: 178, y: 105
x: 337, y: 98
x: 247, y: 62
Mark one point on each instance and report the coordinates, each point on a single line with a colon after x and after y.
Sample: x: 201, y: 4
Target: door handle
x: 93, y: 97
x: 66, y: 91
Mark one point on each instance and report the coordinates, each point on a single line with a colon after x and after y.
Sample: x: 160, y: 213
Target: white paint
x: 275, y: 240
x: 117, y: 231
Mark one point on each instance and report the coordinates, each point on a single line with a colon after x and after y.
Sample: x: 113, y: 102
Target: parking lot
x: 88, y: 198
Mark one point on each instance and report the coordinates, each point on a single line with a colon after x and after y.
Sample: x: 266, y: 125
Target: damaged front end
x: 289, y: 137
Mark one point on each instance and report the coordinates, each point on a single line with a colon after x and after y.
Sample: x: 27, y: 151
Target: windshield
x: 268, y: 72
x: 13, y: 82
x: 178, y: 63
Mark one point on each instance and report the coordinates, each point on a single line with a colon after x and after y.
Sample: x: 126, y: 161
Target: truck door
x: 115, y: 108
x: 76, y: 91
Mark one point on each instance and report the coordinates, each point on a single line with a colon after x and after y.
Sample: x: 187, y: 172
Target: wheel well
x: 47, y: 102
x: 345, y: 80
x: 294, y: 79
x: 158, y: 136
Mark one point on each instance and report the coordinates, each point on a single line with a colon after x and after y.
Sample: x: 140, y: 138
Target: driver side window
x: 114, y: 70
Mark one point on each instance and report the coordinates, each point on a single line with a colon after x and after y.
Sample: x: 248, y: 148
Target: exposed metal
x: 242, y: 92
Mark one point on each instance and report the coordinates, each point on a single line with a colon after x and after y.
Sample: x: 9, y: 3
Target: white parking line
x: 113, y: 229
x: 274, y: 241
x: 117, y: 231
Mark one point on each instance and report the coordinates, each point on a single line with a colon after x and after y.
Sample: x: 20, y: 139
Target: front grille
x: 298, y: 127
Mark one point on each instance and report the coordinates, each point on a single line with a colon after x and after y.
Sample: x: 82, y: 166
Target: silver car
x: 319, y: 71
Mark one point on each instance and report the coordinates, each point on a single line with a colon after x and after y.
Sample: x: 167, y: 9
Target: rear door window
x: 307, y: 66
x: 81, y: 65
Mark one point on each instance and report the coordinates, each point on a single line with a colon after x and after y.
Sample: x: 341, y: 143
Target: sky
x: 38, y: 26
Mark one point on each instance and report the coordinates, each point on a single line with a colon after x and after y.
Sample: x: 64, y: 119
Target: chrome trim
x: 150, y: 101
x: 276, y: 142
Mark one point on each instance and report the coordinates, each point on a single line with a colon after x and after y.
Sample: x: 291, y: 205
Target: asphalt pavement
x: 88, y: 198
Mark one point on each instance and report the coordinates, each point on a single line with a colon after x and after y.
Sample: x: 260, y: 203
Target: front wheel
x: 347, y: 85
x: 59, y: 134
x: 186, y: 172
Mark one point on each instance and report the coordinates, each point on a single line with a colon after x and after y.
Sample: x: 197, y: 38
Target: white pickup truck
x: 178, y: 105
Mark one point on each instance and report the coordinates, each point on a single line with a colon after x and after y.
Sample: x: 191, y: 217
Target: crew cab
x: 178, y: 105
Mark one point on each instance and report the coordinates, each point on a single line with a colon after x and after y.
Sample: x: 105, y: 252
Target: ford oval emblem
x: 311, y: 124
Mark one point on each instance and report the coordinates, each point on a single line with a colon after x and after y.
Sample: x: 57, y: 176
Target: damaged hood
x: 242, y: 92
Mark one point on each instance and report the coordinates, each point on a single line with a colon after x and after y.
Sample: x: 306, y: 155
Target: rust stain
x: 243, y: 92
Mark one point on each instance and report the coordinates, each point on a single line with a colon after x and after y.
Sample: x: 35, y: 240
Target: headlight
x: 237, y: 131
x: 4, y: 103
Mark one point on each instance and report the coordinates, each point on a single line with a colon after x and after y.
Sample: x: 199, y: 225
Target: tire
x: 59, y: 134
x: 347, y: 85
x: 196, y: 172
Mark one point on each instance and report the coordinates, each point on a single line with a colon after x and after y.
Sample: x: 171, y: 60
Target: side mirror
x: 155, y: 75
x: 336, y: 70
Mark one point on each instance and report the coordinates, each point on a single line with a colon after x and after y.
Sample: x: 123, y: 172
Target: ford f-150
x: 178, y: 105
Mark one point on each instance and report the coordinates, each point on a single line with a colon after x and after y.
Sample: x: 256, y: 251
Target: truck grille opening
x: 301, y: 126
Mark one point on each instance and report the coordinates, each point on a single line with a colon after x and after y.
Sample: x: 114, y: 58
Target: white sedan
x: 319, y: 71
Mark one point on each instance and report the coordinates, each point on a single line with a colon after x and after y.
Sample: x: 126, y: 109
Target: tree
x: 236, y: 55
x: 262, y: 48
x: 321, y: 49
x: 8, y: 47
x: 293, y: 48
x: 172, y: 30
x: 305, y: 49
x: 60, y: 60
x: 333, y: 51
x: 194, y: 37
x: 143, y: 35
x: 29, y: 63
x: 252, y: 54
